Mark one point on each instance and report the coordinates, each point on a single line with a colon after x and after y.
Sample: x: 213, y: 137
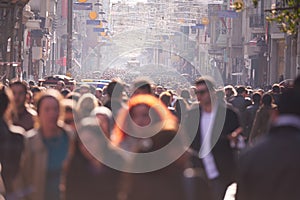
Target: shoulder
x: 18, y: 130
x: 195, y: 107
x: 31, y: 111
x: 69, y: 132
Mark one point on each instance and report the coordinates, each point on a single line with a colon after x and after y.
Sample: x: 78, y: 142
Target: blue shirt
x: 57, y: 148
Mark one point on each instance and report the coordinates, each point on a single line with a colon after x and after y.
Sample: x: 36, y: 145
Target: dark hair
x: 31, y: 83
x: 206, y: 80
x: 297, y: 82
x: 35, y: 89
x: 267, y: 99
x: 65, y: 92
x: 143, y: 85
x: 241, y: 89
x: 19, y: 83
x: 4, y: 99
x: 165, y: 98
x: 115, y: 89
x: 256, y: 97
x: 276, y: 88
x: 289, y: 102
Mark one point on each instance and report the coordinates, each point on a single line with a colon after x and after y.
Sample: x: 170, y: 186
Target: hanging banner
x: 93, y: 22
x: 98, y: 30
x: 82, y: 6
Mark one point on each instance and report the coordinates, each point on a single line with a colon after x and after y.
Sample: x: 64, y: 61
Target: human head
x: 241, y: 90
x: 267, y: 99
x: 141, y: 86
x: 165, y: 98
x: 275, y: 89
x: 70, y: 115
x: 60, y: 85
x: 49, y: 109
x: 229, y: 91
x: 73, y: 95
x: 85, y: 105
x: 99, y: 93
x: 185, y: 94
x: 158, y: 90
x: 104, y: 117
x: 205, y: 90
x: 144, y: 113
x: 256, y: 98
x: 115, y: 89
x: 19, y: 90
x: 65, y: 92
x: 84, y: 89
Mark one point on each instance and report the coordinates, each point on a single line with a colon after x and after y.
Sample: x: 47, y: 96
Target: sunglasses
x: 69, y: 121
x: 201, y: 92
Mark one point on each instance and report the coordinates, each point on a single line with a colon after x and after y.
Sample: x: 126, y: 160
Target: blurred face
x: 59, y: 86
x: 98, y: 94
x: 48, y: 112
x: 140, y: 115
x: 19, y: 95
x: 203, y: 94
x: 159, y: 90
x: 228, y: 92
x: 69, y: 120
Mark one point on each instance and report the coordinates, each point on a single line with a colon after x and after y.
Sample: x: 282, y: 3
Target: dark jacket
x: 226, y: 122
x: 11, y: 148
x: 270, y: 169
x: 249, y: 119
x: 84, y: 181
x: 261, y: 123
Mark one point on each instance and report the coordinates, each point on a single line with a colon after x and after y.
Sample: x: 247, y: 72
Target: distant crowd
x: 54, y: 142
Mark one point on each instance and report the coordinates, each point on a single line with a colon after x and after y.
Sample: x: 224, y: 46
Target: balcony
x: 256, y: 21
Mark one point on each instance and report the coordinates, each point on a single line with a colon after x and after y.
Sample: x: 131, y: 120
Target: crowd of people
x: 73, y: 143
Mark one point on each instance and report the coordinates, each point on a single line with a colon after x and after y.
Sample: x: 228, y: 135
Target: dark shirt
x: 270, y: 169
x: 11, y: 147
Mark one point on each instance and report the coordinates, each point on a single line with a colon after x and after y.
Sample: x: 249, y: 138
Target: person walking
x: 46, y: 153
x: 263, y: 118
x: 270, y: 169
x: 11, y: 144
x: 215, y: 126
x: 24, y: 116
